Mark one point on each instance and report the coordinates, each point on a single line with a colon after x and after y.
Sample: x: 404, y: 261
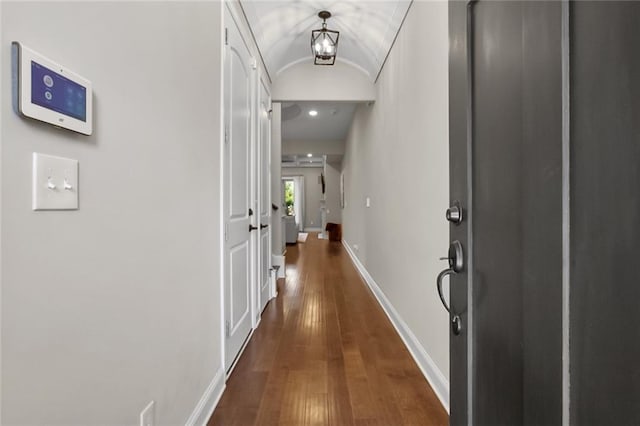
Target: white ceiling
x: 283, y: 30
x: 331, y: 123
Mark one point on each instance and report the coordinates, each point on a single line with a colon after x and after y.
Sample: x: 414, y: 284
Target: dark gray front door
x: 506, y: 169
x: 544, y: 154
x: 605, y: 213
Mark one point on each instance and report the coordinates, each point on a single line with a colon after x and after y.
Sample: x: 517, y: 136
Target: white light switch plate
x: 55, y: 183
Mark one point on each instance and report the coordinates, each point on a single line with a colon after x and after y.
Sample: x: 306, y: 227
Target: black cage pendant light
x: 324, y: 42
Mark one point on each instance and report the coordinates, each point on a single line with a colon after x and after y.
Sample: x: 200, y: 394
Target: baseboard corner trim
x: 430, y: 370
x: 207, y: 404
x: 279, y: 260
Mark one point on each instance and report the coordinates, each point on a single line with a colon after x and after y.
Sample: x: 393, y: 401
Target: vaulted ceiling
x: 283, y: 30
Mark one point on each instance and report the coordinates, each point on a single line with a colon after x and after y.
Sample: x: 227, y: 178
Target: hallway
x: 156, y: 158
x: 325, y: 353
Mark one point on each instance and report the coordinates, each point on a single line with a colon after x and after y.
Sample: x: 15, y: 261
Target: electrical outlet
x: 148, y: 415
x: 356, y: 247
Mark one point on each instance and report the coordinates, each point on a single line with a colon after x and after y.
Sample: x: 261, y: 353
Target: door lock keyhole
x: 456, y: 325
x: 455, y: 258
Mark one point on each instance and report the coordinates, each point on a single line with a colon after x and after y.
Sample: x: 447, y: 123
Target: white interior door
x: 264, y: 197
x: 237, y: 191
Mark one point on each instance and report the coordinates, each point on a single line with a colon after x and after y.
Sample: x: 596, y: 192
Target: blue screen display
x: 56, y: 92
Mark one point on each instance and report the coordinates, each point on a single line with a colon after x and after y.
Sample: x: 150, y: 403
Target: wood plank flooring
x: 326, y: 354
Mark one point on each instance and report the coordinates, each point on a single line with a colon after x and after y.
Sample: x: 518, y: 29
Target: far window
x: 289, y: 197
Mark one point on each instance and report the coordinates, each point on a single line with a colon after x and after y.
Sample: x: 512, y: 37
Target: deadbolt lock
x: 454, y: 213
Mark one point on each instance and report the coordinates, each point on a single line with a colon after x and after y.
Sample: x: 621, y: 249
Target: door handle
x: 252, y: 228
x: 441, y: 276
x: 263, y: 226
x: 456, y: 264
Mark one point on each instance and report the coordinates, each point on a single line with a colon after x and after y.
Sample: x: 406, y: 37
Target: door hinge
x: 227, y: 328
x: 226, y: 36
x: 226, y: 135
x: 226, y: 232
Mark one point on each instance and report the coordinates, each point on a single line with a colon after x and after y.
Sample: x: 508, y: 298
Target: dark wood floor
x: 326, y: 354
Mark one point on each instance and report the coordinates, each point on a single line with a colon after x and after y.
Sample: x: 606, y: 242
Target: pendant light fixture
x: 324, y: 42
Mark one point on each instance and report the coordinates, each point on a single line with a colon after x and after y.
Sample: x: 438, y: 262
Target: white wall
x: 116, y: 304
x: 312, y: 193
x: 397, y: 154
x: 305, y: 81
x: 332, y: 194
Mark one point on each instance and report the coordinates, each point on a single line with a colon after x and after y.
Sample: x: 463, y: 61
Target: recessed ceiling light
x: 309, y: 155
x: 313, y: 113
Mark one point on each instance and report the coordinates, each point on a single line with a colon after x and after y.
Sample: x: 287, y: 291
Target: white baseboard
x: 430, y: 370
x: 278, y: 260
x: 209, y: 401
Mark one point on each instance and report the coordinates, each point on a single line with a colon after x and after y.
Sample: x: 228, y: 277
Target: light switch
x: 55, y: 183
x: 368, y: 202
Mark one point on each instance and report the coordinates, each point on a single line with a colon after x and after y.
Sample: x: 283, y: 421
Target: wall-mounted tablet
x: 46, y: 91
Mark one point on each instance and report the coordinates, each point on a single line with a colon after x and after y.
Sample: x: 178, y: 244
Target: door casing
x: 264, y: 290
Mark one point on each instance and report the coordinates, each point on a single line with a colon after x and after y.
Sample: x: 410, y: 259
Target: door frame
x: 460, y: 142
x: 257, y: 144
x: 268, y: 168
x: 254, y: 238
x: 566, y: 209
x: 221, y: 153
x: 2, y: 74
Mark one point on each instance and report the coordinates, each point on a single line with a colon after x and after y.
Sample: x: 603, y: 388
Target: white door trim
x: 2, y: 68
x: 221, y: 143
x: 263, y: 184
